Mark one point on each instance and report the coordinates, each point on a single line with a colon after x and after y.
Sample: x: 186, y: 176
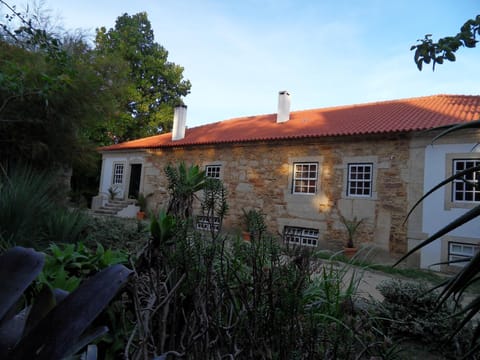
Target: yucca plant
x: 26, y: 197
x: 456, y: 285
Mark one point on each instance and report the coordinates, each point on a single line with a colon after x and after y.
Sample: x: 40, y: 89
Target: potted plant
x: 351, y: 226
x: 254, y: 221
x: 142, y: 203
x: 113, y: 192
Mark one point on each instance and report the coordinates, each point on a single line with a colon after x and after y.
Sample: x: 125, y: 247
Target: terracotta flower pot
x: 246, y: 236
x: 140, y: 215
x: 350, y: 252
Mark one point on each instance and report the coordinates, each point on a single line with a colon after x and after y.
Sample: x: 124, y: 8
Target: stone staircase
x: 114, y: 207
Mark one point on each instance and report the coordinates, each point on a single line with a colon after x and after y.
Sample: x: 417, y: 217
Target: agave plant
x: 57, y: 324
x: 456, y: 285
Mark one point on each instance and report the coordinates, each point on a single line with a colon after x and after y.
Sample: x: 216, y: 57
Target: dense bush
x: 32, y: 212
x: 126, y: 234
x: 412, y: 312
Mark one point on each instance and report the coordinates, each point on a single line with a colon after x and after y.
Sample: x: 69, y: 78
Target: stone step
x: 112, y: 207
x: 104, y: 211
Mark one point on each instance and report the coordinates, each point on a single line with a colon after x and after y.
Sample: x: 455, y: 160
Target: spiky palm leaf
x: 457, y: 285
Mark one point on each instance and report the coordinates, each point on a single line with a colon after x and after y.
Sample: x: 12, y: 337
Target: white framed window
x: 213, y: 171
x: 461, y: 251
x: 118, y: 172
x: 300, y: 236
x: 359, y: 179
x: 205, y: 223
x: 466, y: 189
x: 305, y: 178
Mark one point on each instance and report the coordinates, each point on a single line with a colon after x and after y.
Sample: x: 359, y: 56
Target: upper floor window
x: 359, y: 181
x: 213, y: 171
x: 118, y: 170
x: 305, y: 177
x: 466, y: 189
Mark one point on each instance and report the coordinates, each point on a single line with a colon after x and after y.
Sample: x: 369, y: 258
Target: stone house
x: 304, y: 169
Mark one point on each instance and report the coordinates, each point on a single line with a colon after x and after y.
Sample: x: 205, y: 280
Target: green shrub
x: 67, y: 265
x: 412, y: 312
x: 26, y: 198
x: 64, y: 226
x: 116, y: 233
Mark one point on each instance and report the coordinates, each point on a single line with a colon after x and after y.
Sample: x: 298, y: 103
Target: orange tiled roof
x: 372, y: 118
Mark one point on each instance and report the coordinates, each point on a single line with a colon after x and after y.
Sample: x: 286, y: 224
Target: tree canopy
x: 156, y: 84
x: 60, y: 97
x: 50, y: 92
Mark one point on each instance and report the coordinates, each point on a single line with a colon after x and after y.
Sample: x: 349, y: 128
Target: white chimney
x: 283, y: 114
x: 179, y: 122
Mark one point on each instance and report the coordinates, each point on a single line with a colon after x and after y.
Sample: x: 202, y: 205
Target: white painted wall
x: 106, y: 177
x: 435, y: 216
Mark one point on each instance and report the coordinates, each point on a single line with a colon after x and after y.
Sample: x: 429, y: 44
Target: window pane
x: 359, y: 180
x: 465, y: 189
x: 305, y: 178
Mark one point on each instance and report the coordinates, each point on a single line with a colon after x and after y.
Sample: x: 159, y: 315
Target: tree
x: 436, y: 52
x: 51, y: 90
x: 157, y: 84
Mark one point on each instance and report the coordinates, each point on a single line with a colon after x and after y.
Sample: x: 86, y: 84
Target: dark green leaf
x: 66, y: 323
x: 471, y: 214
x: 18, y: 268
x: 468, y: 125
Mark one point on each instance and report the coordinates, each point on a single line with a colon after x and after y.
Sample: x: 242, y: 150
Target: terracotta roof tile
x: 372, y: 118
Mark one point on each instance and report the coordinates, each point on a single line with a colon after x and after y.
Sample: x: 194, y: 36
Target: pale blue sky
x: 239, y: 54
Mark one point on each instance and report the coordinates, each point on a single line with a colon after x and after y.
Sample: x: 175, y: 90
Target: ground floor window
x: 118, y: 170
x: 300, y: 236
x: 461, y: 251
x: 205, y: 223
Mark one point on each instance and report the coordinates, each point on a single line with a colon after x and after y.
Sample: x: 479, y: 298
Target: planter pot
x: 140, y: 215
x: 349, y: 252
x: 246, y: 236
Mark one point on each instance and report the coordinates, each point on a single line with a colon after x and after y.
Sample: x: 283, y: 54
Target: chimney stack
x: 179, y: 122
x: 283, y: 114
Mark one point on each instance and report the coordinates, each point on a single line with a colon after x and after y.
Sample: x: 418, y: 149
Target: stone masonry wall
x: 259, y: 175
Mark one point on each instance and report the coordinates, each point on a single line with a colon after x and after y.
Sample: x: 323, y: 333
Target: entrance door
x: 135, y: 175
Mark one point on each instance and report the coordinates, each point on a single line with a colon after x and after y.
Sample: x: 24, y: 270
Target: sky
x: 238, y: 54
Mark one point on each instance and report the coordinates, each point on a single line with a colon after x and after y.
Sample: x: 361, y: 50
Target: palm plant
x: 351, y: 226
x: 184, y: 183
x: 456, y: 286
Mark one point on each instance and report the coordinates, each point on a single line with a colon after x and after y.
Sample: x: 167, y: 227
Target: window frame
x: 465, y: 191
x: 350, y: 180
x: 211, y: 167
x: 118, y: 175
x: 449, y: 202
x: 303, y: 235
x: 204, y: 223
x: 308, y: 179
x: 459, y: 255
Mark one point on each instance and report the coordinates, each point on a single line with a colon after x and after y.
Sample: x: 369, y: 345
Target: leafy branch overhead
x: 429, y: 51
